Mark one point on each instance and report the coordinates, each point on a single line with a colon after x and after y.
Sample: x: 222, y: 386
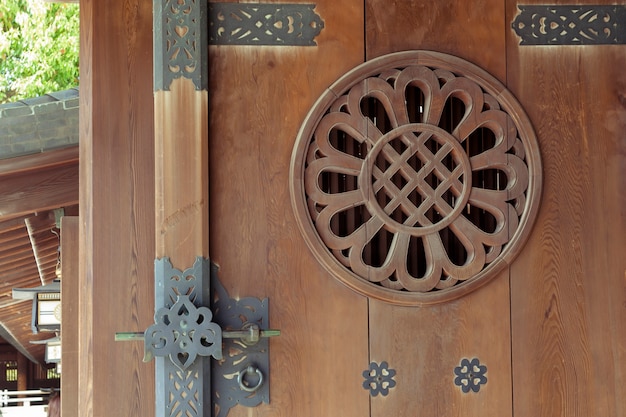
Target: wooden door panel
x: 472, y: 30
x: 425, y: 344
x: 568, y: 288
x: 259, y: 96
x: 560, y: 301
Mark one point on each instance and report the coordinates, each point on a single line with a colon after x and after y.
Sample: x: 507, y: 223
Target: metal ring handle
x: 251, y: 369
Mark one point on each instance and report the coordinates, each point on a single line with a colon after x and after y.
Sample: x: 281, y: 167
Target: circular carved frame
x: 419, y: 159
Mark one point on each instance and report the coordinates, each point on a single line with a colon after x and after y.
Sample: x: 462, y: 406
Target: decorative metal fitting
x: 242, y: 376
x: 379, y: 379
x: 571, y: 24
x: 242, y: 379
x: 470, y: 375
x: 180, y: 40
x: 183, y: 332
x: 276, y: 24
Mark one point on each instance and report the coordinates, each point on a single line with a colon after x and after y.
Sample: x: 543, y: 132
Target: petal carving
x: 456, y: 163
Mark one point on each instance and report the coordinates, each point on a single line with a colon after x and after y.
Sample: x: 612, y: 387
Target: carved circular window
x: 416, y: 178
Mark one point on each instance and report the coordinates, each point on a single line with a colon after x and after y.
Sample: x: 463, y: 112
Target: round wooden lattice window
x: 416, y: 177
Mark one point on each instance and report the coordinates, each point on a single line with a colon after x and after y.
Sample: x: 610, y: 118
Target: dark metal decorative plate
x: 227, y: 374
x: 470, y: 375
x: 379, y: 379
x: 180, y: 43
x: 571, y: 25
x: 263, y: 24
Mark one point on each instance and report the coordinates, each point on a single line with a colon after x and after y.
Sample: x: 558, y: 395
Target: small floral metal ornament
x: 379, y: 379
x: 470, y: 375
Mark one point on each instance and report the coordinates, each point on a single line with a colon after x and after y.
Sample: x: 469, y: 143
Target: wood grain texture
x: 69, y: 312
x: 38, y: 182
x: 472, y: 30
x: 85, y: 250
x: 568, y: 286
x: 116, y: 207
x: 424, y: 345
x: 181, y: 173
x: 259, y: 97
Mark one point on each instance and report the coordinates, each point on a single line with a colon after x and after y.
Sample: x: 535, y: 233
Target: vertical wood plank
x: 568, y: 286
x: 69, y: 312
x: 181, y: 149
x: 23, y: 377
x: 85, y: 249
x: 259, y: 98
x: 181, y: 185
x: 425, y: 344
x: 472, y: 30
x: 116, y: 207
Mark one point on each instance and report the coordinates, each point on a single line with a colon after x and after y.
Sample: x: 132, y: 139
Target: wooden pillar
x: 181, y: 118
x: 181, y: 182
x: 69, y: 312
x: 22, y: 372
x: 181, y: 131
x: 116, y: 271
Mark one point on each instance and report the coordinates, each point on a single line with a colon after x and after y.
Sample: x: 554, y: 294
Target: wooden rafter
x: 39, y: 182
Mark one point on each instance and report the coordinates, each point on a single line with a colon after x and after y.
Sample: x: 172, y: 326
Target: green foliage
x: 38, y: 48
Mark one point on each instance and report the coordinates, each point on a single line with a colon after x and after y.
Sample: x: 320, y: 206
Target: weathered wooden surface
x: 561, y: 303
x: 181, y: 152
x: 259, y: 97
x: 116, y: 207
x: 69, y: 312
x: 424, y: 345
x: 39, y: 182
x: 568, y: 286
x: 472, y: 30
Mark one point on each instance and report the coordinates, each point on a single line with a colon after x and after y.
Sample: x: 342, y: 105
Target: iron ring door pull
x: 187, y: 332
x: 250, y: 370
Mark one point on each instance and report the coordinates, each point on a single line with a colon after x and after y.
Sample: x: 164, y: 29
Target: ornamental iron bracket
x: 590, y: 24
x: 180, y: 40
x: 275, y: 24
x: 186, y: 334
x: 184, y: 28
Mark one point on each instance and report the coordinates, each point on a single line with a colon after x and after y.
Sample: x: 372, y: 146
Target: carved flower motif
x: 379, y: 379
x: 415, y: 178
x: 470, y: 375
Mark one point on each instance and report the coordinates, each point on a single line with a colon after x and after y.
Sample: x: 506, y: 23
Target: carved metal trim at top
x: 180, y: 42
x: 571, y: 25
x: 263, y: 24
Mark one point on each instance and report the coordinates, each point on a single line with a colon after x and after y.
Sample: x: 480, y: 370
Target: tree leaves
x: 39, y: 48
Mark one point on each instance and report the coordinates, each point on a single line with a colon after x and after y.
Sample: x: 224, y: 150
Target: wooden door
x: 515, y: 326
x: 568, y: 289
x: 258, y: 97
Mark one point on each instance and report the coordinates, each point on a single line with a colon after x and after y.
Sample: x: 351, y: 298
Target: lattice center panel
x: 411, y: 174
x: 416, y: 177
